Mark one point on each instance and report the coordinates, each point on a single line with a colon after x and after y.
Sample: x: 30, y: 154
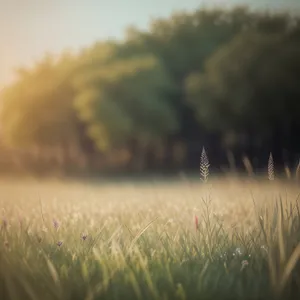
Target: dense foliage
x: 226, y: 79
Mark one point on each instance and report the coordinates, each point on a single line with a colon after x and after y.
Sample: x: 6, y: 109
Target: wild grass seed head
x: 204, y: 166
x: 271, y: 172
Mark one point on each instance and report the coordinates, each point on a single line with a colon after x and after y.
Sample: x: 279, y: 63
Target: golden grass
x: 147, y: 221
x: 91, y: 204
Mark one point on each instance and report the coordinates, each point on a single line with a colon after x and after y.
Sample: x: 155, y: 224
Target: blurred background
x: 126, y: 87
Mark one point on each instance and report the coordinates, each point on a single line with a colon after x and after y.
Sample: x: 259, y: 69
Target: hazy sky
x: 29, y: 28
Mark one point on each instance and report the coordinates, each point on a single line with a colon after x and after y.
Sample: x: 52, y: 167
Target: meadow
x: 228, y: 238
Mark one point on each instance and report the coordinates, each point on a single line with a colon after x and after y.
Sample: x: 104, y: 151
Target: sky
x: 31, y: 28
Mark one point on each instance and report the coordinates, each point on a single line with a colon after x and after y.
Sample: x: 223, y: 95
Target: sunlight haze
x: 30, y: 30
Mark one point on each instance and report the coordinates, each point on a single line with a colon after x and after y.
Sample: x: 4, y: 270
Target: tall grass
x: 135, y: 242
x: 271, y: 171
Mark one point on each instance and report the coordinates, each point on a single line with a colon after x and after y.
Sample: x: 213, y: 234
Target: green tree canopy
x: 249, y: 84
x: 193, y: 76
x: 125, y: 99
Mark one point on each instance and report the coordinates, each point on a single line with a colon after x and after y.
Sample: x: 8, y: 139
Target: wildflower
x: 59, y: 243
x: 84, y: 236
x: 196, y: 223
x: 55, y: 224
x: 223, y: 256
x: 238, y: 251
x: 245, y: 263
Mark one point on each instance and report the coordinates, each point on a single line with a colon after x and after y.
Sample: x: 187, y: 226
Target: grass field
x: 227, y: 239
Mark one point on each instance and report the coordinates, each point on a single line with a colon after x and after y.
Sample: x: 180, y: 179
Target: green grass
x: 142, y: 241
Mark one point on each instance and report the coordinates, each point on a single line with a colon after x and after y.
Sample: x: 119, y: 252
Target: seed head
x: 298, y: 171
x: 271, y: 173
x: 245, y: 263
x: 204, y: 166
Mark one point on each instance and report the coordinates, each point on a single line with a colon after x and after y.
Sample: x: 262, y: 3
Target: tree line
x: 224, y: 79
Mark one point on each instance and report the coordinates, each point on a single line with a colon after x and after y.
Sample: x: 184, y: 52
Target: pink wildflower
x: 196, y: 223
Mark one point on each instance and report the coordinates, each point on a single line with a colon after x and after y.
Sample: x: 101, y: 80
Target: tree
x: 182, y: 44
x: 37, y: 108
x: 124, y: 100
x: 250, y: 86
x: 191, y: 79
